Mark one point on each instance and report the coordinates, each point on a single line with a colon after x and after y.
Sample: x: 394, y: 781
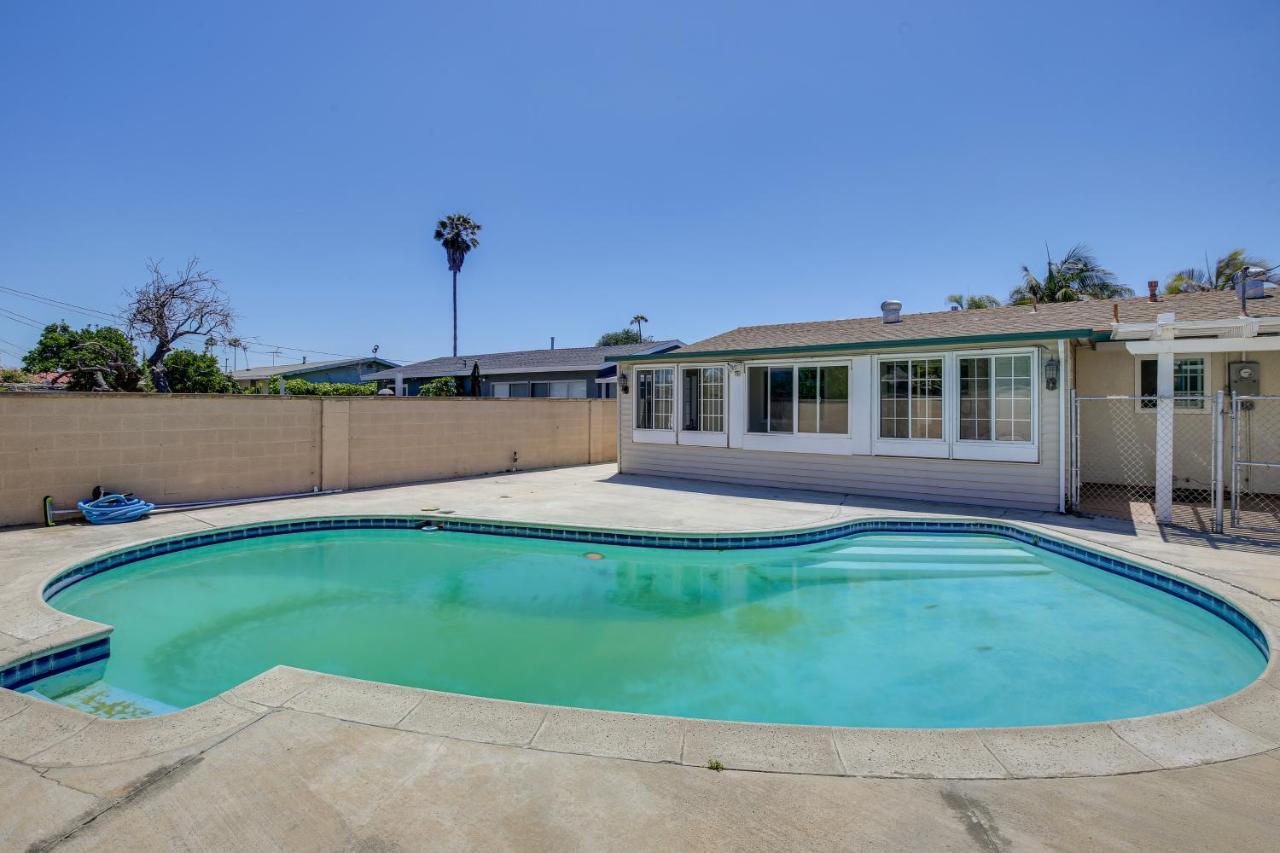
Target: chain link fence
x: 1114, y: 459
x: 1255, y: 463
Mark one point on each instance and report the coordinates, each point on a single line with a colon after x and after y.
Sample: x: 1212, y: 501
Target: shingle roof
x: 251, y: 373
x: 523, y: 361
x: 1014, y: 319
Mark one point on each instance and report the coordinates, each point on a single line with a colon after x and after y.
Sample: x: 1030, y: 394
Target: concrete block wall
x: 191, y: 447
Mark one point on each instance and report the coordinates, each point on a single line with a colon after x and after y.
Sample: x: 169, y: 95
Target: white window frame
x: 993, y: 450
x: 644, y: 435
x: 836, y: 444
x: 701, y: 438
x: 1206, y: 364
x: 932, y: 448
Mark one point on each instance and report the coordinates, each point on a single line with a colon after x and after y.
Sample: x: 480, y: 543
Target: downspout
x: 1068, y: 375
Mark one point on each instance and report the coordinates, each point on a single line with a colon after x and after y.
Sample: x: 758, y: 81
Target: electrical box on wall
x: 1243, y: 377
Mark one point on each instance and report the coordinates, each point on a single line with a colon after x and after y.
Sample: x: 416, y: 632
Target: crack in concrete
x: 155, y: 780
x: 976, y: 819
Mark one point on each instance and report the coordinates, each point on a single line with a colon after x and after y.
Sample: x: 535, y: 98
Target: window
x: 798, y: 399
x: 995, y: 398
x: 911, y: 398
x: 654, y: 397
x: 702, y: 399
x: 1188, y: 383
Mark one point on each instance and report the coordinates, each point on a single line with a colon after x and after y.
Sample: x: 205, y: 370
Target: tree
x: 166, y: 310
x: 1223, y: 276
x: 457, y: 233
x: 972, y: 303
x: 441, y: 387
x: 95, y: 359
x: 1076, y: 277
x: 622, y: 336
x: 638, y: 319
x: 209, y: 343
x: 196, y: 373
x: 235, y: 345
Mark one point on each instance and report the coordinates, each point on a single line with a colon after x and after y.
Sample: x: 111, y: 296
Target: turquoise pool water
x: 887, y: 629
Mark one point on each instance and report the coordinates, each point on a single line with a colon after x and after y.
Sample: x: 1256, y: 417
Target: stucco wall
x: 188, y: 447
x: 1117, y: 440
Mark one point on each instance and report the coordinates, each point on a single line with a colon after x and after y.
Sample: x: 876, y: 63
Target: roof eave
x: 860, y: 346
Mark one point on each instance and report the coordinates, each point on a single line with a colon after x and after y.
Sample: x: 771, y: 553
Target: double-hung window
x: 655, y: 398
x: 798, y: 399
x: 1188, y: 383
x: 911, y: 398
x: 996, y: 398
x: 702, y: 399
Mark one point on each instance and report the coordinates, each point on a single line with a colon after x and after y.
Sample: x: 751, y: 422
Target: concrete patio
x: 293, y: 761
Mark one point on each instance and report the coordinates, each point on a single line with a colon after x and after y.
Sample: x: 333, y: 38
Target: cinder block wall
x: 190, y: 447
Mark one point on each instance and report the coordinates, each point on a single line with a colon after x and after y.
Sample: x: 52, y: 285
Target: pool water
x: 889, y: 629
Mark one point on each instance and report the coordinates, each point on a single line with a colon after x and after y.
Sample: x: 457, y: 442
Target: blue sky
x: 707, y: 164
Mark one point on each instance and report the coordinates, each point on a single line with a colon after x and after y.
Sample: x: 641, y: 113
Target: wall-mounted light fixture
x: 622, y: 381
x: 736, y: 367
x: 1051, y: 374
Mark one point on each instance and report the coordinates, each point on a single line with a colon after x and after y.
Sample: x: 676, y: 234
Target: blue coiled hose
x: 114, y: 509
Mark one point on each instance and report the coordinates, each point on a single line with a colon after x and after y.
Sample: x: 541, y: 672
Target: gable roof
x: 1013, y: 322
x: 251, y: 373
x: 524, y: 361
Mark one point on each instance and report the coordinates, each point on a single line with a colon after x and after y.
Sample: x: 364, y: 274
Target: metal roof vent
x: 891, y: 309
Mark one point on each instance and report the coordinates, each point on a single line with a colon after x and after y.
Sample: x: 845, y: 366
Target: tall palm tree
x: 1221, y: 277
x: 972, y: 302
x: 235, y: 345
x: 638, y: 319
x: 1076, y: 277
x: 209, y: 343
x: 457, y: 233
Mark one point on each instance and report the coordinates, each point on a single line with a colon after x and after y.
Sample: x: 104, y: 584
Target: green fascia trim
x: 858, y: 346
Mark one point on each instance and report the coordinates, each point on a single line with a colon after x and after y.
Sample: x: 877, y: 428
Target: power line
x: 58, y: 303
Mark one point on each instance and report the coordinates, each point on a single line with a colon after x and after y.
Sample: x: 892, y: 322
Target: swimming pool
x: 875, y: 629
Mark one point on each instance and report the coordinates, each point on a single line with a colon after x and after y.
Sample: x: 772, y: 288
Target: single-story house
x: 972, y: 406
x: 337, y: 370
x: 573, y: 372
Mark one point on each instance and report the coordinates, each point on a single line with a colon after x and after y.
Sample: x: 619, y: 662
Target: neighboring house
x: 340, y: 370
x: 573, y: 372
x: 968, y: 406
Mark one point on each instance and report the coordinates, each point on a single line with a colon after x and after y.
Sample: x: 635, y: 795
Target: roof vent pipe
x: 891, y: 309
x: 1151, y: 291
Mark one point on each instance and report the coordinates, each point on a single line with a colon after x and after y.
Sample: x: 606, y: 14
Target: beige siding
x: 192, y: 447
x: 1011, y: 484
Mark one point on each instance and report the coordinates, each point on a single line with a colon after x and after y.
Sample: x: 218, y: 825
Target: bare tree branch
x: 166, y: 310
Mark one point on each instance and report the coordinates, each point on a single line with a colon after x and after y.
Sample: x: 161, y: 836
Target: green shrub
x: 14, y: 374
x: 196, y: 373
x: 303, y: 388
x: 442, y: 387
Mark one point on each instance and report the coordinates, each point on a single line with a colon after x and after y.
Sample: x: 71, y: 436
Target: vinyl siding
x: 1027, y: 485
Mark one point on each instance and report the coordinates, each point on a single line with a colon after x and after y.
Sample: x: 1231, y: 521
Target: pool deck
x: 295, y: 760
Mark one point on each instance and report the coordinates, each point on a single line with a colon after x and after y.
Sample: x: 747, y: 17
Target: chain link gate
x: 1255, y: 462
x: 1114, y: 465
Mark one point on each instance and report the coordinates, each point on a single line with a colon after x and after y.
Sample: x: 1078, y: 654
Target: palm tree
x: 638, y: 319
x: 1221, y: 277
x: 209, y: 343
x: 1076, y: 277
x: 235, y: 345
x: 457, y: 233
x: 971, y: 303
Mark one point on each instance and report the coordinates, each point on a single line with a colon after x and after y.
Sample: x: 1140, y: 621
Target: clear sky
x: 707, y: 164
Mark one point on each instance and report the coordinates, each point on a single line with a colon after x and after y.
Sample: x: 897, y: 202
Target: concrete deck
x: 292, y: 759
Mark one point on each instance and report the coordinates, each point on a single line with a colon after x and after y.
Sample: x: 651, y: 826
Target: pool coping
x: 1244, y: 723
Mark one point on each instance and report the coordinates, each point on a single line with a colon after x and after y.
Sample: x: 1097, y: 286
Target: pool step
x: 931, y: 569
x: 935, y: 554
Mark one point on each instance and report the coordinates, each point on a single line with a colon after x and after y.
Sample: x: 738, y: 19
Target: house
x: 970, y: 406
x: 572, y: 372
x: 338, y: 370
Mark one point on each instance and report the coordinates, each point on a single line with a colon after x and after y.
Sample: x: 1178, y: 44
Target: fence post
x: 1219, y: 412
x: 1074, y: 489
x: 1235, y: 455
